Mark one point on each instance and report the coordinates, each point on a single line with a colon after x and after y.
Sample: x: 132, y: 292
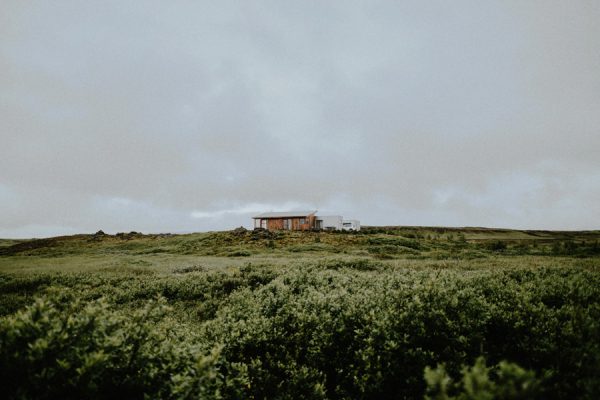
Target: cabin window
x: 302, y: 221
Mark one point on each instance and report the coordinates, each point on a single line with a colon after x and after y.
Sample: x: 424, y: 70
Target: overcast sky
x: 173, y: 116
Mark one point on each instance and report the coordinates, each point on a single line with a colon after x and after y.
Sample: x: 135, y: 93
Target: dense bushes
x: 336, y: 329
x: 370, y: 335
x: 54, y: 349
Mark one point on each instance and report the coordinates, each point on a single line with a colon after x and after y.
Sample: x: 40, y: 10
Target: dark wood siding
x: 275, y: 224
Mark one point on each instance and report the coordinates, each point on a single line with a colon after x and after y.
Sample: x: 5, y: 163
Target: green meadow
x: 384, y: 313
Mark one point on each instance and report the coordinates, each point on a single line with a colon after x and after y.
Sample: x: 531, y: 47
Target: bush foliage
x: 336, y: 329
x: 59, y: 348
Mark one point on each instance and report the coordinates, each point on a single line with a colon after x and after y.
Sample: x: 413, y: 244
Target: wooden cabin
x: 293, y: 221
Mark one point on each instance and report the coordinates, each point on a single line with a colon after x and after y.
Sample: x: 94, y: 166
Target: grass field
x: 388, y: 312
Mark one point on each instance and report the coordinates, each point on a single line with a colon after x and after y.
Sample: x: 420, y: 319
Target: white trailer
x: 351, y: 225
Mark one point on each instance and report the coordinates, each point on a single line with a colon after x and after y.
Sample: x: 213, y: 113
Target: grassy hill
x: 216, y: 249
x: 387, y: 312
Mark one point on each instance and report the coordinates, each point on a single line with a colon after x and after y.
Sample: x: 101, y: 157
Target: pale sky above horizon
x: 193, y: 115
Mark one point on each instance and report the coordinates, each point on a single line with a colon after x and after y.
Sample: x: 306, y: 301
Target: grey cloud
x: 141, y: 115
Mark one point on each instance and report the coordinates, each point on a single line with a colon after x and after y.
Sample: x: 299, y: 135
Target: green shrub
x: 239, y: 253
x: 59, y: 348
x: 497, y: 245
x: 506, y: 381
x: 360, y: 264
x: 395, y: 241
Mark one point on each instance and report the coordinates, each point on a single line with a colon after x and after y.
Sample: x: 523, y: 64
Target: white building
x: 337, y: 223
x: 329, y: 222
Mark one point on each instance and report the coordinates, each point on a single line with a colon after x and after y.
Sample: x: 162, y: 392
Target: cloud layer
x: 187, y: 116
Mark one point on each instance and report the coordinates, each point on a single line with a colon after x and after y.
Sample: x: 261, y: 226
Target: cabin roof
x: 285, y: 214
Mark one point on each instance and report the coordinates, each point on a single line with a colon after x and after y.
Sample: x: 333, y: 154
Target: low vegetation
x: 388, y: 312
